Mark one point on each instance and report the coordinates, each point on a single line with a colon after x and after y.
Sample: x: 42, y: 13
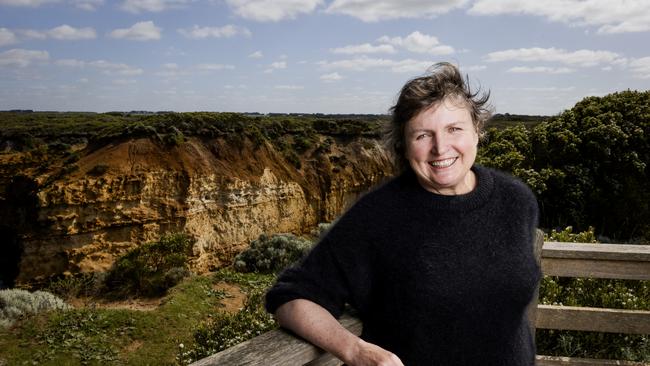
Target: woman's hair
x: 442, y: 81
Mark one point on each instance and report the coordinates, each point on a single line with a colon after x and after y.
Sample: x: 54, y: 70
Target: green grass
x: 116, y: 337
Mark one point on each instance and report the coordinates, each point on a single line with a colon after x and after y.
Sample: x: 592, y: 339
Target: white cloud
x: 609, y: 16
x: 583, y: 58
x: 226, y: 31
x: 135, y: 6
x: 540, y: 69
x: 124, y: 82
x: 364, y: 48
x: 171, y: 71
x: 214, y: 67
x: 29, y: 3
x: 32, y: 34
x: 419, y: 43
x: 289, y: 87
x: 272, y: 10
x: 63, y: 33
x: 376, y: 10
x: 82, y: 4
x: 89, y: 5
x: 276, y: 66
x: 328, y: 78
x: 641, y: 67
x: 141, y: 31
x: 22, y: 58
x: 111, y: 68
x: 475, y: 68
x: 7, y: 37
x: 108, y: 68
x: 256, y: 54
x: 548, y: 89
x: 66, y: 32
x: 68, y: 62
x: 366, y: 63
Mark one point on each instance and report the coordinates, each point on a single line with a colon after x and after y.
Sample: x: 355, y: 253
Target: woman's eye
x: 454, y: 129
x: 420, y: 137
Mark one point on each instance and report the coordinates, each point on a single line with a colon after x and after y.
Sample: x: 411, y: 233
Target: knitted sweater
x: 437, y: 280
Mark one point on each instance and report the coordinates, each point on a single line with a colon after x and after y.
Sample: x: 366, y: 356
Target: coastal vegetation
x: 587, y: 166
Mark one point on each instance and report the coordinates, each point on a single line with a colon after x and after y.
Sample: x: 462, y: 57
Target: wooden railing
x: 619, y: 261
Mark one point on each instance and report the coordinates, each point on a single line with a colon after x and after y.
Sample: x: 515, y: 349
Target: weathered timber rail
x: 618, y: 261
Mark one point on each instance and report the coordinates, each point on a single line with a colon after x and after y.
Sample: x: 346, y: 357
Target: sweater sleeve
x: 336, y: 271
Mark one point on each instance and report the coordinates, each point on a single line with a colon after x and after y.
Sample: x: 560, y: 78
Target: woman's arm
x: 315, y: 324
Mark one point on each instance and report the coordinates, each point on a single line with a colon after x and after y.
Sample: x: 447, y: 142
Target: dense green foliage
x: 588, y: 165
x: 591, y: 292
x: 150, y: 269
x: 58, y: 131
x: 273, y: 253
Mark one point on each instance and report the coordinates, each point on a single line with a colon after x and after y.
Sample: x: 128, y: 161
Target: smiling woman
x: 438, y: 261
x: 441, y: 144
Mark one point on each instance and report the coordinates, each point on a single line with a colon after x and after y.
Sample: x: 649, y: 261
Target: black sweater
x: 437, y: 280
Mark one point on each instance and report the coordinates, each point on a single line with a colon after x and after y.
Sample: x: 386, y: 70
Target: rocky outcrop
x: 78, y: 217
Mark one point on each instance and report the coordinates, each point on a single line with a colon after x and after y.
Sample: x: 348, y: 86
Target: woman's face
x: 441, y: 144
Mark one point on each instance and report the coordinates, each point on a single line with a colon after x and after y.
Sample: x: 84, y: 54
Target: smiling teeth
x: 442, y: 163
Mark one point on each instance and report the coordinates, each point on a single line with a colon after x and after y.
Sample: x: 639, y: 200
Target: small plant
x: 98, y: 170
x: 82, y: 284
x: 150, y: 269
x: 568, y: 236
x: 270, y: 254
x: 16, y: 303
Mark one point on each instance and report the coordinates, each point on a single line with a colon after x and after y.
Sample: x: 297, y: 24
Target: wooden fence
x: 619, y: 261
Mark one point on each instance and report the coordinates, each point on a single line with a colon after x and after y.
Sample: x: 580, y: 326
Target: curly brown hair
x: 443, y: 80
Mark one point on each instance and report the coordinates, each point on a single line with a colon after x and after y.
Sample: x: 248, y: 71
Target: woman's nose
x: 440, y: 144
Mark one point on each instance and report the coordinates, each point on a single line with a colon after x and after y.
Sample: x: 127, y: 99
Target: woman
x: 438, y: 261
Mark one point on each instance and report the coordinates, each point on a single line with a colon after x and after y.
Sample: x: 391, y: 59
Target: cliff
x: 63, y: 215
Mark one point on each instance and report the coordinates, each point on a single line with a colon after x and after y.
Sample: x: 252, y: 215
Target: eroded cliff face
x: 220, y: 194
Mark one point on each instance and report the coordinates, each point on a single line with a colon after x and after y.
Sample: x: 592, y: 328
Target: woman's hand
x: 315, y: 324
x: 368, y: 354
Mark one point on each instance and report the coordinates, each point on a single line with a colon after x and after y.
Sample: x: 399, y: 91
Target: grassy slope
x: 108, y: 336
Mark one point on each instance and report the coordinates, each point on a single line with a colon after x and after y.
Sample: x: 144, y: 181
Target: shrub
x: 98, y: 170
x: 272, y: 253
x: 568, y: 236
x: 83, y: 284
x: 150, y: 269
x: 16, y: 303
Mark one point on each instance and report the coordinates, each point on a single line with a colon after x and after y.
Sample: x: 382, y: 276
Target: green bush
x: 16, y: 303
x: 568, y: 236
x: 98, y: 170
x: 150, y: 269
x: 272, y: 253
x: 82, y: 284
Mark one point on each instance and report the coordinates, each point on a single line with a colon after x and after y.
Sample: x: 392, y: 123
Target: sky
x: 314, y: 56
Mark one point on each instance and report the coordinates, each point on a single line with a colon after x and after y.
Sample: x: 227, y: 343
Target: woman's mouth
x: 444, y: 163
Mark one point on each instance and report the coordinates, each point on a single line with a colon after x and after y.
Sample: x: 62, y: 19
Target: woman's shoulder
x: 508, y: 184
x: 377, y: 200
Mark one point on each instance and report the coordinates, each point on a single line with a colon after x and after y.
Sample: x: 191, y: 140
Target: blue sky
x: 313, y: 56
